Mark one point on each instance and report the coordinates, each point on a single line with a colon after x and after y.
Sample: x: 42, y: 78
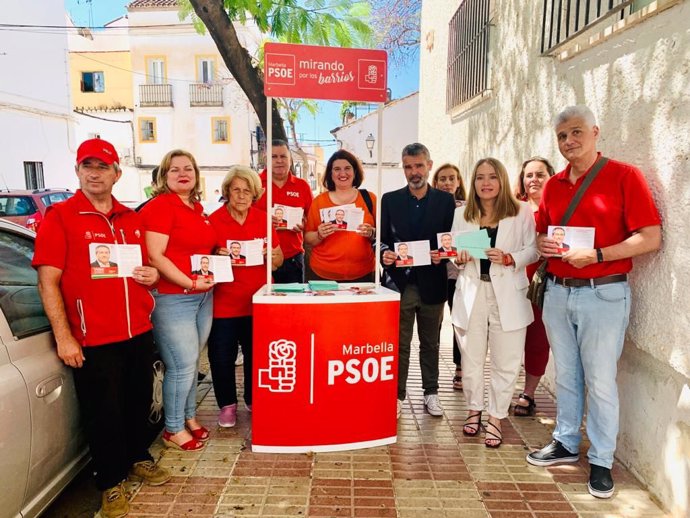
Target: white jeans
x: 505, y: 349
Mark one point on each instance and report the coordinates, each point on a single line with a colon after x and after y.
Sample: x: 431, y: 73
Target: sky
x: 402, y: 81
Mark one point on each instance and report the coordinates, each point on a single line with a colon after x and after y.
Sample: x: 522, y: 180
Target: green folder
x: 291, y: 287
x: 323, y: 285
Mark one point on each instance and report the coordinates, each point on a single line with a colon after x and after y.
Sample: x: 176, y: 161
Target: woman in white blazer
x: 490, y: 307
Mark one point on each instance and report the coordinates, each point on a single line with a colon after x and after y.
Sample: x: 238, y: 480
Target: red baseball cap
x: 97, y: 148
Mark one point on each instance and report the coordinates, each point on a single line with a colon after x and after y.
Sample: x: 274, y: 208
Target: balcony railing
x: 204, y: 94
x: 563, y: 20
x: 155, y: 95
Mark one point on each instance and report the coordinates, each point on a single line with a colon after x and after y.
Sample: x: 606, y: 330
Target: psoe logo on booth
x: 280, y: 69
x: 371, y: 74
x: 281, y: 374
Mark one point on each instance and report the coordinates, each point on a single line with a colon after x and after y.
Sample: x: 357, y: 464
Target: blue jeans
x: 227, y: 334
x: 181, y: 324
x: 586, y: 329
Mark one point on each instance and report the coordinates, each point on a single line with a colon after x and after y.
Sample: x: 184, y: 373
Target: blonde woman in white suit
x: 490, y: 308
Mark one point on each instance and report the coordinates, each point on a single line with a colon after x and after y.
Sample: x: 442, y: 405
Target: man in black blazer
x: 414, y: 213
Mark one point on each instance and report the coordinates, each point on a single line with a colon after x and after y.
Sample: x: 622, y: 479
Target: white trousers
x: 505, y: 349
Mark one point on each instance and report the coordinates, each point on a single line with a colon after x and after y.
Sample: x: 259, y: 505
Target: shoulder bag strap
x: 581, y: 191
x: 367, y: 200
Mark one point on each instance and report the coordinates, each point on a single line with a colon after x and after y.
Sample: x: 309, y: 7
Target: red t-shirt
x: 99, y: 311
x: 189, y: 231
x: 616, y: 204
x: 234, y: 299
x: 295, y: 193
x: 344, y: 255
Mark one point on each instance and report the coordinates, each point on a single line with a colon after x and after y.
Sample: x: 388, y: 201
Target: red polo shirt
x: 616, y: 204
x: 99, y: 311
x: 295, y: 193
x: 189, y: 231
x: 234, y: 299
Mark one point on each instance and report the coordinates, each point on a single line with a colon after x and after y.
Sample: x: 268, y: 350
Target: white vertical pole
x: 379, y: 153
x: 269, y: 191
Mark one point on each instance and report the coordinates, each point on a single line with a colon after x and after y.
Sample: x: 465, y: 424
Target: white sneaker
x: 433, y: 405
x: 240, y: 358
x: 400, y: 404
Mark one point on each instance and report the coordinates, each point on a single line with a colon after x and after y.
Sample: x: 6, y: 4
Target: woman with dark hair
x: 176, y: 229
x: 447, y: 178
x: 337, y: 254
x: 490, y: 308
x: 534, y: 174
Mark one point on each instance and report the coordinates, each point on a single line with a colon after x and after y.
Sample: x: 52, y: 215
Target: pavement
x: 433, y: 471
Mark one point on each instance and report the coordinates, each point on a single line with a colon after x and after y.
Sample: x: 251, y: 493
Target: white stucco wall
x: 400, y: 127
x: 637, y: 82
x: 34, y: 96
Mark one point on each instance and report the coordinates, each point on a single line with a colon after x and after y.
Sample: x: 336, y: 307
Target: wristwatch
x: 600, y: 256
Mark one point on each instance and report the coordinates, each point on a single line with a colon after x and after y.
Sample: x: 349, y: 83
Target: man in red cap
x: 102, y: 324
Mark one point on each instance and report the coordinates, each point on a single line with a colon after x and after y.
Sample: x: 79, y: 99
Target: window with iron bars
x: 563, y: 20
x: 468, y: 52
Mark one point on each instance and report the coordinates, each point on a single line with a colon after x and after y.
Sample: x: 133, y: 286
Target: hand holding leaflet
x: 474, y: 242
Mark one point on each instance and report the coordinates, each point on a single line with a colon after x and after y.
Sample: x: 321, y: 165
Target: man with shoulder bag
x: 587, y: 296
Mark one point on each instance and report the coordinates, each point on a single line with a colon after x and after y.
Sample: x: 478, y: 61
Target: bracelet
x: 508, y: 260
x: 193, y: 288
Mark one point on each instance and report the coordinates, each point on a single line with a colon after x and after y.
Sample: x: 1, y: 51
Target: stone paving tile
x: 433, y: 471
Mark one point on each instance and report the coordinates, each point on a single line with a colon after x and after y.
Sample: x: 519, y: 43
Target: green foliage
x: 340, y: 23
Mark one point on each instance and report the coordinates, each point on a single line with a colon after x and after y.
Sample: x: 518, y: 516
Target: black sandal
x: 525, y: 411
x: 493, y: 437
x: 457, y: 382
x: 472, y: 424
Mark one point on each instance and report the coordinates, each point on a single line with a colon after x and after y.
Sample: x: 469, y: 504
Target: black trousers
x: 227, y: 335
x: 292, y: 270
x: 114, y: 389
x: 456, y: 345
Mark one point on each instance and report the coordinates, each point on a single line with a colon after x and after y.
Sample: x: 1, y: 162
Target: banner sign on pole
x: 336, y: 73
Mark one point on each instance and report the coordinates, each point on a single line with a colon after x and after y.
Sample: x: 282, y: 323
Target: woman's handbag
x: 537, y: 286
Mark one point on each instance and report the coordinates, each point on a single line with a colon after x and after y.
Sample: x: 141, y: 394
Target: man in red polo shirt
x: 293, y: 192
x: 102, y: 325
x: 587, y: 300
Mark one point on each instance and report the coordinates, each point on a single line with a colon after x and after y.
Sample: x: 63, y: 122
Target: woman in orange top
x: 339, y: 254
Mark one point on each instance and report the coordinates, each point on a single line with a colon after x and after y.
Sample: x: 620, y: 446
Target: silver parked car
x: 42, y: 445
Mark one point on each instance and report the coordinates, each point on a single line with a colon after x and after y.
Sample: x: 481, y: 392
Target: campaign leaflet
x: 110, y: 260
x: 288, y: 217
x: 344, y: 217
x: 217, y: 268
x: 246, y: 253
x: 567, y: 238
x: 445, y: 245
x: 412, y: 253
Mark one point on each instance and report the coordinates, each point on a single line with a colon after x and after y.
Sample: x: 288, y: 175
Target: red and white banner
x: 325, y: 375
x: 312, y: 72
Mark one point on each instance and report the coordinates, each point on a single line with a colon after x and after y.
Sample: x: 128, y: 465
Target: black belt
x: 485, y: 277
x: 572, y: 282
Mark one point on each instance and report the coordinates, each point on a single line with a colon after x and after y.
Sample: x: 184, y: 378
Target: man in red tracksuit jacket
x: 102, y: 324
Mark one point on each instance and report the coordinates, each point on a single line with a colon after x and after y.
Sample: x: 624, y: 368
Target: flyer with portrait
x: 344, y: 217
x: 288, y: 217
x: 571, y: 237
x: 112, y: 260
x: 445, y: 245
x: 246, y: 253
x: 412, y: 253
x: 217, y: 268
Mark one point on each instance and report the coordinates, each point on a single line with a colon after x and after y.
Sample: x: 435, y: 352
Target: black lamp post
x: 370, y: 144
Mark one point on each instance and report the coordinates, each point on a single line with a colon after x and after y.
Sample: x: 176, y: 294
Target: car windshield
x: 16, y: 206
